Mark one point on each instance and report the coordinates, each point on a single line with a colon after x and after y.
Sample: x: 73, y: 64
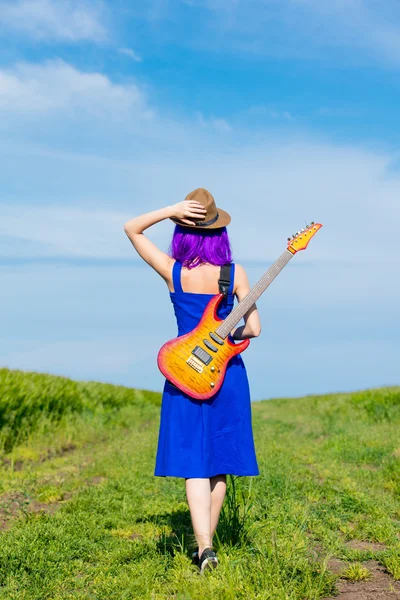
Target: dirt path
x: 380, y: 586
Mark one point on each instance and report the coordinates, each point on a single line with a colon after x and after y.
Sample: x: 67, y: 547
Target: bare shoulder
x: 241, y: 279
x: 240, y: 273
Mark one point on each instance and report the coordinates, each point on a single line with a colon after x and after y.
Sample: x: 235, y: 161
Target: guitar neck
x: 241, y: 309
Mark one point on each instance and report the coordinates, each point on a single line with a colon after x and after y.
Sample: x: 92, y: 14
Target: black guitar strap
x: 224, y: 280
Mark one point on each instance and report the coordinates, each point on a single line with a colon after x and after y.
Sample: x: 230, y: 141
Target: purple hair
x: 193, y: 247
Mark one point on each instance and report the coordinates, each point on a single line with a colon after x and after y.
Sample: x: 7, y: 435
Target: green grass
x: 356, y: 572
x: 85, y: 518
x: 29, y: 401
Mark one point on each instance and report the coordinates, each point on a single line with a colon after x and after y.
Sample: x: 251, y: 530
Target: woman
x: 202, y: 441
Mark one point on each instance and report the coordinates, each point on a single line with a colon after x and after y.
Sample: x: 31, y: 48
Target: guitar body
x: 196, y: 362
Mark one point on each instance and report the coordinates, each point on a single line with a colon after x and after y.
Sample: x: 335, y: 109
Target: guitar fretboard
x: 241, y: 309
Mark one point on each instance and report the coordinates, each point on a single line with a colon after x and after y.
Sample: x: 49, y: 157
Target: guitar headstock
x: 301, y: 239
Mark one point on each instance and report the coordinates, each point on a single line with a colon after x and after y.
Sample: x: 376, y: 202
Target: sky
x: 286, y: 110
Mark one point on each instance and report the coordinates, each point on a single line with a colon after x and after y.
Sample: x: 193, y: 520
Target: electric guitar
x: 196, y: 362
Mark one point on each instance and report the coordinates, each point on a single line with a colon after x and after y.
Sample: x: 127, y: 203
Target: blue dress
x: 203, y: 438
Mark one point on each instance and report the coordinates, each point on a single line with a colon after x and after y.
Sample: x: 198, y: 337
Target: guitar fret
x: 241, y: 309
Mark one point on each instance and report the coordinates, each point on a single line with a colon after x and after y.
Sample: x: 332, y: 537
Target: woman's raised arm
x: 156, y: 258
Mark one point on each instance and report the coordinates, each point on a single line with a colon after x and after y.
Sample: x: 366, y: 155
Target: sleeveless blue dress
x: 203, y: 438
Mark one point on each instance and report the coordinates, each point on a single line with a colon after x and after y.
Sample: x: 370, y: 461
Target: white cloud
x: 217, y: 124
x: 131, y: 53
x: 360, y: 23
x: 272, y: 113
x: 50, y: 20
x: 297, y: 28
x: 285, y: 181
x: 56, y: 86
x: 75, y: 204
x: 70, y: 232
x: 269, y: 189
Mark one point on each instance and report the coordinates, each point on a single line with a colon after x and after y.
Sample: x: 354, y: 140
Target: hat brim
x: 223, y: 220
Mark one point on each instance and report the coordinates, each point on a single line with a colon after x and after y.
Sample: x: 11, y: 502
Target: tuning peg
x: 312, y: 223
x: 289, y: 239
x: 294, y: 235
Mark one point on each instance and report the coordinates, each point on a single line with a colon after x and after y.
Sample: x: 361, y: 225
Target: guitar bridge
x: 194, y: 362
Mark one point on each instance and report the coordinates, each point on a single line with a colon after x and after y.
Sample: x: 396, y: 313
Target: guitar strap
x: 224, y: 280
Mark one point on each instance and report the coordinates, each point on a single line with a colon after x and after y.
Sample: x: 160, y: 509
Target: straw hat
x: 215, y: 217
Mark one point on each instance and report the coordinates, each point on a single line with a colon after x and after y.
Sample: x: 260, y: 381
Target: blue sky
x: 286, y: 110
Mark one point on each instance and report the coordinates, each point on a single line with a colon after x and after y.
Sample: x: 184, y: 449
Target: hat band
x: 207, y: 223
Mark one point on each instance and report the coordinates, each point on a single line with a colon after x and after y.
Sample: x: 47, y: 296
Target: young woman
x: 201, y: 441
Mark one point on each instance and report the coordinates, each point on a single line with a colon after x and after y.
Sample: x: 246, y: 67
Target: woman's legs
x: 198, y: 493
x: 205, y: 497
x: 218, y: 490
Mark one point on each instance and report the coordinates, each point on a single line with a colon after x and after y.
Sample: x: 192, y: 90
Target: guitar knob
x: 212, y: 384
x: 212, y: 369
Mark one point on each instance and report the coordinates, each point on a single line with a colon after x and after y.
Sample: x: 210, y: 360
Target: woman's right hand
x: 188, y: 208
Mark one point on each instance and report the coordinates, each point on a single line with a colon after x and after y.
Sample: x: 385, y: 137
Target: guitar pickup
x: 210, y: 346
x: 215, y: 338
x: 202, y: 355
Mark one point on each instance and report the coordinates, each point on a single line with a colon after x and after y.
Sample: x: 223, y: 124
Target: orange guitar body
x: 196, y: 362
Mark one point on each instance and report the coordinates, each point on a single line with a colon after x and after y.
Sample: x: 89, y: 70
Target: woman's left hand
x: 188, y: 208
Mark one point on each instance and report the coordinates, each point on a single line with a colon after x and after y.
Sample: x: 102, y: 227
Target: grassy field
x: 83, y: 517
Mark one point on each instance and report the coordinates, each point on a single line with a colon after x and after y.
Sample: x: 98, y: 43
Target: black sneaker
x: 208, y: 560
x: 195, y: 557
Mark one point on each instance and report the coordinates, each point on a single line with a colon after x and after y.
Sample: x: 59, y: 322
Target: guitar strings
x: 229, y: 323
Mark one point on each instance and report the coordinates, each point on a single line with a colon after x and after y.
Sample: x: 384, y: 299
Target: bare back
x: 199, y: 280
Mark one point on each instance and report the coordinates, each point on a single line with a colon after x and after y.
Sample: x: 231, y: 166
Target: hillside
x: 81, y: 515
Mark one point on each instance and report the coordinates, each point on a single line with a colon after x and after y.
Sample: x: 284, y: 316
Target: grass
x: 236, y: 520
x: 29, y: 401
x: 356, y: 572
x: 84, y: 517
